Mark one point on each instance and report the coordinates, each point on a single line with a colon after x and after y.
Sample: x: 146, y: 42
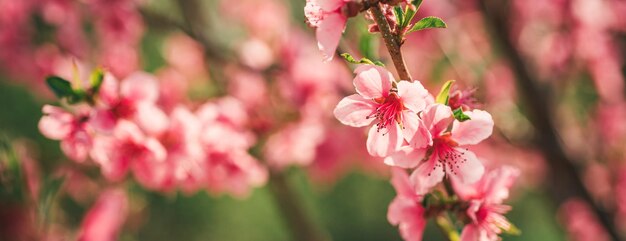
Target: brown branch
x: 391, y: 41
x: 565, y: 181
x: 301, y: 226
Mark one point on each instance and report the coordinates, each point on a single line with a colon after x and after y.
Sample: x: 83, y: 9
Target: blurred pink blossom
x: 104, y: 220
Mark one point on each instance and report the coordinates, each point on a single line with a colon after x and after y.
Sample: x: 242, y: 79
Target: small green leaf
x: 351, y: 59
x: 408, y: 16
x: 460, y: 116
x: 60, y: 87
x: 417, y: 3
x: 96, y: 78
x: 428, y: 22
x: 397, y: 11
x: 444, y: 93
x: 512, y: 230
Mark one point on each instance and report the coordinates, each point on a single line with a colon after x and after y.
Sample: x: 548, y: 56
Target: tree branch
x: 391, y: 41
x: 301, y: 226
x: 564, y: 176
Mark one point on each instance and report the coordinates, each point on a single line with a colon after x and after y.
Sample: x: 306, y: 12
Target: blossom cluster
x: 412, y: 129
x: 123, y: 130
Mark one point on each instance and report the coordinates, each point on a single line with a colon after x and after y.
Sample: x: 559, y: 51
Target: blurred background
x: 551, y: 72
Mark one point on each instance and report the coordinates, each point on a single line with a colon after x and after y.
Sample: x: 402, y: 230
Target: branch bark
x: 565, y: 181
x: 392, y: 42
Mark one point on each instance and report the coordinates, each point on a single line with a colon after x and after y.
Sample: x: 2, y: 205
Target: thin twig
x: 565, y: 181
x: 391, y: 41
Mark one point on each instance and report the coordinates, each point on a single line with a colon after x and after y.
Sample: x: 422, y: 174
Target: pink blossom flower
x: 71, y: 129
x: 134, y: 99
x: 406, y: 209
x: 485, y: 204
x: 446, y: 153
x: 327, y: 18
x: 185, y: 155
x: 234, y: 172
x: 105, y: 219
x: 394, y: 110
x: 129, y: 149
x: 288, y: 147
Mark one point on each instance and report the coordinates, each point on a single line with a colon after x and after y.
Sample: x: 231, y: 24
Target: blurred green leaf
x: 460, y: 116
x: 96, y: 78
x: 397, y: 11
x: 428, y: 22
x: 512, y: 230
x: 444, y: 93
x: 351, y: 59
x: 61, y: 87
x: 47, y: 195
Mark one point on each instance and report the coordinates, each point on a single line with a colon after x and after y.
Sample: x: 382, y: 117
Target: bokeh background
x: 570, y: 52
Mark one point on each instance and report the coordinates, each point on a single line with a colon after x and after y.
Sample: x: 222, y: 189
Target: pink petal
x: 103, y: 120
x: 473, y: 131
x: 328, y: 34
x: 108, y: 92
x: 372, y: 82
x: 437, y: 118
x: 151, y: 119
x: 414, y: 131
x: 427, y: 175
x: 498, y: 182
x: 471, y: 232
x: 77, y: 145
x: 384, y: 142
x: 402, y: 184
x: 413, y: 95
x: 354, y: 111
x: 330, y: 5
x: 406, y: 157
x: 140, y: 86
x: 104, y: 220
x: 56, y: 123
x: 403, y: 210
x: 470, y: 170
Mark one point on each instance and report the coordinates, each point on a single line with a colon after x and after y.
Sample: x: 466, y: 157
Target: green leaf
x: 408, y: 16
x: 444, y: 93
x: 428, y: 22
x: 512, y: 230
x: 417, y: 3
x: 60, y: 87
x: 96, y: 78
x: 460, y: 116
x: 351, y: 59
x: 397, y: 10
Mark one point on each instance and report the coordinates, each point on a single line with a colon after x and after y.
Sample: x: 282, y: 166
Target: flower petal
x: 473, y: 131
x: 413, y: 95
x: 402, y: 184
x: 330, y: 5
x: 151, y: 119
x: 328, y: 34
x: 140, y: 86
x: 372, y: 82
x: 384, y: 142
x: 406, y: 157
x: 414, y: 131
x: 437, y: 118
x: 354, y: 110
x: 470, y: 170
x: 471, y: 232
x: 427, y: 175
x: 56, y: 123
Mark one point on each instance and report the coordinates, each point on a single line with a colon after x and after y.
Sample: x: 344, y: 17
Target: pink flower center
x: 389, y: 111
x: 449, y: 157
x: 124, y: 108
